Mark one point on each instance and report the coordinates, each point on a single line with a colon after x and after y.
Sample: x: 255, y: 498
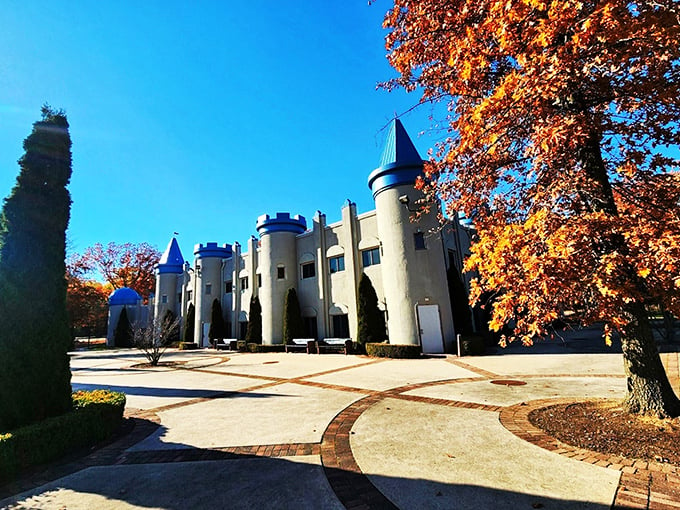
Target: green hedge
x: 187, y: 346
x: 96, y: 415
x: 471, y: 345
x: 393, y: 351
x: 252, y: 347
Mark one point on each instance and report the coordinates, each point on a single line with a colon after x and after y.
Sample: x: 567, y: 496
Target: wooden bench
x: 303, y: 344
x: 335, y: 345
x: 227, y: 344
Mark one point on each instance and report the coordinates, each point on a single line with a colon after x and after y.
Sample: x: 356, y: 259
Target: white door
x: 206, y: 330
x: 430, y: 329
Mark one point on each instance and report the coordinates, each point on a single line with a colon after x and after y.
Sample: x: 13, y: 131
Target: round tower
x: 278, y: 269
x: 207, y: 285
x: 412, y: 254
x: 169, y: 271
x: 128, y: 299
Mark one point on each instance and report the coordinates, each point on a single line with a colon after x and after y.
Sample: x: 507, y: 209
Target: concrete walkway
x: 229, y: 430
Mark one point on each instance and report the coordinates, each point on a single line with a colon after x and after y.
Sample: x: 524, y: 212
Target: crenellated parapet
x: 282, y: 222
x: 212, y: 250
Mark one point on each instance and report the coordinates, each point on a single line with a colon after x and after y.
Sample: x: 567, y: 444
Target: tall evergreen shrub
x: 216, y: 330
x: 293, y: 327
x: 188, y: 333
x: 123, y: 334
x: 371, y: 319
x: 35, y: 378
x: 254, y: 331
x: 460, y: 308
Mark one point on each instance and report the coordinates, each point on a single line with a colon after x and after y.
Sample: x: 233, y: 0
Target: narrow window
x: 281, y: 273
x: 208, y: 289
x: 164, y: 299
x: 189, y: 294
x: 419, y: 240
x: 337, y: 263
x: 259, y: 280
x: 228, y: 287
x: 244, y: 283
x: 370, y: 257
x: 308, y: 270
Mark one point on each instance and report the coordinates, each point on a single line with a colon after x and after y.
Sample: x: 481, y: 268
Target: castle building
x: 406, y: 262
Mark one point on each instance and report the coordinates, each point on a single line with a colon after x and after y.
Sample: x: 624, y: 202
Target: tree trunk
x: 648, y: 388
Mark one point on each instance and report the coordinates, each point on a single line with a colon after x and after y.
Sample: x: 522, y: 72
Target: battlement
x: 283, y: 222
x: 212, y: 250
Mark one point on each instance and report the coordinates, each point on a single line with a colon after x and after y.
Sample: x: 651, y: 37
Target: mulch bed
x: 603, y: 426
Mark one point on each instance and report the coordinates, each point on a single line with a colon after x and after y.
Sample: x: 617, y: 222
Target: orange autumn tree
x: 560, y: 114
x: 123, y: 265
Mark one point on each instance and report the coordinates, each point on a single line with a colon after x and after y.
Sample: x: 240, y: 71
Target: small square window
x: 308, y: 270
x: 370, y: 257
x: 336, y: 264
x: 419, y: 240
x: 281, y: 273
x: 208, y: 289
x: 164, y: 299
x: 228, y: 287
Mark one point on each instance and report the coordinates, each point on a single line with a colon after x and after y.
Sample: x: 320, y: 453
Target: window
x: 164, y: 299
x: 419, y: 240
x: 228, y: 287
x: 308, y: 270
x: 208, y: 289
x: 189, y: 294
x: 281, y: 273
x: 259, y: 280
x: 337, y: 263
x: 244, y: 283
x: 370, y: 257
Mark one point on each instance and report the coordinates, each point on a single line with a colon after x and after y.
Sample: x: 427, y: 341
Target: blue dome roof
x: 124, y: 296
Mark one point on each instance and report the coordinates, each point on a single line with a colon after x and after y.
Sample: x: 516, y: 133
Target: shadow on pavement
x: 248, y: 482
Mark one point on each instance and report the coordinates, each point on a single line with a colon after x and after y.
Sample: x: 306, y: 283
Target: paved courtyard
x: 230, y: 430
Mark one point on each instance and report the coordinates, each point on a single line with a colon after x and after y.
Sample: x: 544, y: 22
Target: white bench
x: 226, y: 344
x: 331, y: 345
x: 302, y: 344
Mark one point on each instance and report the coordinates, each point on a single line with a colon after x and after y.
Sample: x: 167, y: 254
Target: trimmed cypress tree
x: 293, y: 327
x: 216, y: 330
x: 188, y: 334
x: 35, y: 378
x: 460, y: 308
x: 371, y: 319
x: 254, y: 331
x: 123, y: 335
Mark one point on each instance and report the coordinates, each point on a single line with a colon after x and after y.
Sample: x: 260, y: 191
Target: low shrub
x: 471, y: 345
x: 253, y: 347
x: 393, y: 351
x: 242, y: 346
x: 187, y: 346
x: 95, y: 416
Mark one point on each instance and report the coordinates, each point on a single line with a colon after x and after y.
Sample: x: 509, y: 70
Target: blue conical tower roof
x: 400, y: 162
x: 172, y: 260
x: 399, y: 149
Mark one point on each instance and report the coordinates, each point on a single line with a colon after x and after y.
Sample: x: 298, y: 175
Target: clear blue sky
x: 197, y: 117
